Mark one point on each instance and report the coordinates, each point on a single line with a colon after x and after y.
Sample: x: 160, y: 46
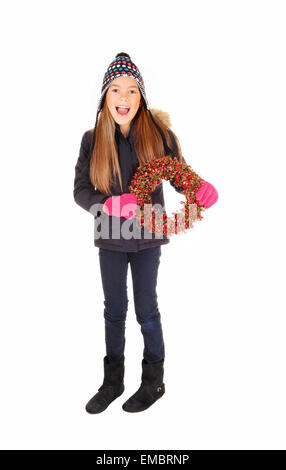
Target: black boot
x: 151, y: 388
x: 112, y: 387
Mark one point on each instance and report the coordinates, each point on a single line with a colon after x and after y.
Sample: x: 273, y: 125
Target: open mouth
x: 122, y: 110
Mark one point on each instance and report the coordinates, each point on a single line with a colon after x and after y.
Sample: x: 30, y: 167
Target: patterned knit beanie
x: 123, y: 66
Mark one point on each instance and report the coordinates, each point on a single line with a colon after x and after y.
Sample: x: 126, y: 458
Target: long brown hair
x: 104, y: 164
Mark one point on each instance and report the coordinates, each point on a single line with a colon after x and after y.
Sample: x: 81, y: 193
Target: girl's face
x: 123, y: 93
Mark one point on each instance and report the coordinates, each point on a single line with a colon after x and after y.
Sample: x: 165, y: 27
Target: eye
x: 116, y: 89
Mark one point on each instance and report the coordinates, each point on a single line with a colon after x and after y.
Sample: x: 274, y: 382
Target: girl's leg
x: 114, y: 266
x: 144, y: 267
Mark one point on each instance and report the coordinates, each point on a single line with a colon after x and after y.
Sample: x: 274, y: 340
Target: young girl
x: 126, y: 135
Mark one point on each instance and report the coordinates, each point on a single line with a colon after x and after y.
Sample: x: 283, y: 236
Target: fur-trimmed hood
x: 162, y: 116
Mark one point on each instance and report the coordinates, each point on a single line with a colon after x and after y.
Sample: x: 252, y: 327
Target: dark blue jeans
x: 144, y: 269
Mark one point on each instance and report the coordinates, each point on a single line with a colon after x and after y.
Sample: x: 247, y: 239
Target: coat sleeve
x: 85, y: 195
x: 179, y: 189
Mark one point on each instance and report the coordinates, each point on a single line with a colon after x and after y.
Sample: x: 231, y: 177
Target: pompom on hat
x: 123, y: 66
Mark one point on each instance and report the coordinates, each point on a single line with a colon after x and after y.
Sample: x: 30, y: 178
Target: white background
x: 218, y: 68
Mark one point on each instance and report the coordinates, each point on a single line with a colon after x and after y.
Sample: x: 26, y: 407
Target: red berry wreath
x: 145, y: 181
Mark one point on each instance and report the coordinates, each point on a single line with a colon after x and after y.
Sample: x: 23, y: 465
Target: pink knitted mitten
x: 121, y: 206
x: 207, y: 195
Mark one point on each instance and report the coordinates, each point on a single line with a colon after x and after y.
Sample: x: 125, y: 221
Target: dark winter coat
x: 92, y: 200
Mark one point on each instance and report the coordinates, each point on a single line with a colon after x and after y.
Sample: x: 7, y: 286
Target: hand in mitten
x: 112, y: 206
x: 206, y: 195
x: 128, y: 203
x: 121, y: 206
